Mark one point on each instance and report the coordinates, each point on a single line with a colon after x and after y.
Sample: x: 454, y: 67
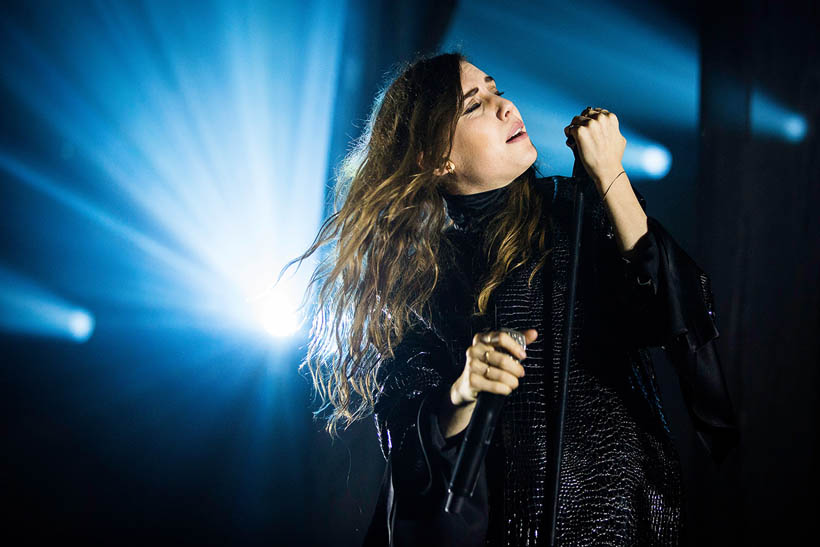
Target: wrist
x: 455, y: 398
x: 604, y: 177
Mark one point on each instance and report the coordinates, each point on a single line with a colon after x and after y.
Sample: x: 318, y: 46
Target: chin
x: 529, y: 159
x: 533, y: 153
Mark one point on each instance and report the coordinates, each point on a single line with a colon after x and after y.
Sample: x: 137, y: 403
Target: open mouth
x: 520, y: 136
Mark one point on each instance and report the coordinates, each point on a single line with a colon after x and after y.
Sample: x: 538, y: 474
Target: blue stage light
x: 80, y: 325
x: 770, y: 118
x: 194, y: 145
x: 29, y: 308
x: 795, y: 128
x: 644, y: 159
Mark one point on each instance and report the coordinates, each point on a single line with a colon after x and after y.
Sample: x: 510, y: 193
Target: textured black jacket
x: 620, y: 482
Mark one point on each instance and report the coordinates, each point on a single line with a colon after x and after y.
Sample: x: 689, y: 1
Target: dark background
x: 176, y: 465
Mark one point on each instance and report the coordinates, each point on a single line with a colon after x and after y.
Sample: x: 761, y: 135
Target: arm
x: 415, y: 386
x: 675, y: 306
x: 453, y: 418
x: 626, y: 214
x: 667, y: 301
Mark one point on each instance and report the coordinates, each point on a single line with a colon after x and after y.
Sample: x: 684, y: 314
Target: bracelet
x: 611, y: 183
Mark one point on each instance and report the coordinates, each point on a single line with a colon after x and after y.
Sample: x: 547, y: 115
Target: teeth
x: 516, y: 133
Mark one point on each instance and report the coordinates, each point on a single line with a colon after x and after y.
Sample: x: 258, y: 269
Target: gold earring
x: 451, y: 167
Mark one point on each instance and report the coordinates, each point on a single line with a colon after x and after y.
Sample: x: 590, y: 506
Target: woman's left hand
x: 597, y: 143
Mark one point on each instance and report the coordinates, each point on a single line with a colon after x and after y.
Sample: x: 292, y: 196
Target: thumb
x: 530, y: 335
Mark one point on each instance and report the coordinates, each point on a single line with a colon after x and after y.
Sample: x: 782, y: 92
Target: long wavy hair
x: 384, y: 237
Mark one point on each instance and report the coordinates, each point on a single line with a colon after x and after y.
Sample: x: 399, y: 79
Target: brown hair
x: 384, y: 236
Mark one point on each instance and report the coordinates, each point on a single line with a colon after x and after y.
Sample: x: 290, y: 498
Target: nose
x: 505, y: 108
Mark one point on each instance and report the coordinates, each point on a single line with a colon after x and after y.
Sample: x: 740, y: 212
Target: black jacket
x: 620, y: 479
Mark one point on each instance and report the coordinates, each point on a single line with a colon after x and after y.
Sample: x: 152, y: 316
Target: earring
x: 451, y: 167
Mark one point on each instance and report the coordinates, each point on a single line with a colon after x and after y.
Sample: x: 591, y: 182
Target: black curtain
x: 759, y: 237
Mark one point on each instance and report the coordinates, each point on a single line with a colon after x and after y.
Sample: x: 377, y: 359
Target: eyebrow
x: 474, y: 90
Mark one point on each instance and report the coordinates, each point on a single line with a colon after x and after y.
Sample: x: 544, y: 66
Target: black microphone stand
x: 581, y: 178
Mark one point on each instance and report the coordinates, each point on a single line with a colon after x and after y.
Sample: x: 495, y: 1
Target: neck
x: 470, y: 212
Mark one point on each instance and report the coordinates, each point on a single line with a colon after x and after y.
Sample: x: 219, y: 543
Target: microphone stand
x: 581, y: 178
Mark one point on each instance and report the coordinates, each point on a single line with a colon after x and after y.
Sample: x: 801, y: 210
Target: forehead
x: 472, y: 76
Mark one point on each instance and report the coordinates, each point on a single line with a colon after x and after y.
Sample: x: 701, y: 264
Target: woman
x: 443, y: 234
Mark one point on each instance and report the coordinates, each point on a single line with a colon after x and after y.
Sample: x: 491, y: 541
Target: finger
x: 530, y: 335
x: 586, y: 123
x: 505, y: 361
x: 480, y: 337
x: 512, y: 347
x: 476, y: 352
x: 602, y: 114
x: 571, y: 130
x: 494, y: 373
x: 480, y: 383
x: 500, y: 361
x: 589, y: 109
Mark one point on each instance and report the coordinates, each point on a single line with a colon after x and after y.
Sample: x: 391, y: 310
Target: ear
x: 448, y: 169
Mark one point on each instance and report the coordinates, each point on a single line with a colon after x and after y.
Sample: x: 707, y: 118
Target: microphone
x: 476, y: 441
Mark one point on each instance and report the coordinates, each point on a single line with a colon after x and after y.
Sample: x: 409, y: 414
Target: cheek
x: 475, y: 146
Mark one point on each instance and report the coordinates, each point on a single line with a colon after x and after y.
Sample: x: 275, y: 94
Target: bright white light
x: 219, y: 191
x: 80, y: 325
x: 276, y: 311
x: 656, y: 161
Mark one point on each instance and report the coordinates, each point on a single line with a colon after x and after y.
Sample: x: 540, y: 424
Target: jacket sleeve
x: 668, y: 301
x: 415, y: 382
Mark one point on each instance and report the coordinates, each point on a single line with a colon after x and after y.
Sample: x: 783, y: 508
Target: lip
x: 520, y: 137
x: 515, y: 126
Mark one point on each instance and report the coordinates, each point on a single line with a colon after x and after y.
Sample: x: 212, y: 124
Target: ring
x: 486, y: 358
x: 486, y: 371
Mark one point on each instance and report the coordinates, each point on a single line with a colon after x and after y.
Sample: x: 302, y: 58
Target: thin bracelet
x: 611, y: 183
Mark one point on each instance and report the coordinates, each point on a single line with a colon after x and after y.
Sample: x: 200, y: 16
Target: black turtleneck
x: 470, y: 211
x: 470, y: 214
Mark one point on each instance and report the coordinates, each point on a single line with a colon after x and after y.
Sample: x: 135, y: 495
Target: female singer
x: 443, y: 234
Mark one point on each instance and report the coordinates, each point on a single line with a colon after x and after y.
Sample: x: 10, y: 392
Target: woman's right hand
x: 499, y: 373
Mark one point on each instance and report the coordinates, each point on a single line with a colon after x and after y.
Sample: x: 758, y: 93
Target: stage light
x: 27, y: 307
x: 770, y: 118
x: 198, y: 151
x: 653, y: 160
x: 80, y: 325
x: 277, y: 312
x: 795, y: 128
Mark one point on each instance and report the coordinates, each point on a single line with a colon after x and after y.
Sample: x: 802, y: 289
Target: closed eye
x: 475, y: 105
